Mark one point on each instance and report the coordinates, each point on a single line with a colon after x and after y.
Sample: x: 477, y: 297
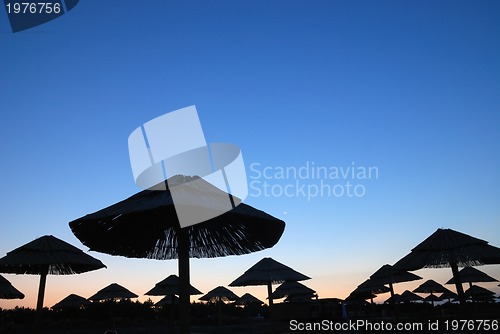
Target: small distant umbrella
x: 449, y: 295
x: 449, y: 248
x: 368, y: 290
x: 7, y: 291
x: 389, y: 275
x: 72, y: 301
x: 219, y: 294
x: 431, y: 287
x: 432, y: 299
x: 268, y: 272
x: 472, y: 275
x: 168, y: 300
x: 112, y: 292
x: 294, y: 290
x: 248, y: 299
x: 396, y: 298
x: 409, y: 296
x: 170, y: 286
x: 479, y: 293
x: 47, y: 255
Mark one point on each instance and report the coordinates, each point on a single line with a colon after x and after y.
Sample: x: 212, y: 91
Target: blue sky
x: 410, y: 87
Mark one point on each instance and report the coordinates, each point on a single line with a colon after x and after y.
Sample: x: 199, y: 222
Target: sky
x: 408, y: 90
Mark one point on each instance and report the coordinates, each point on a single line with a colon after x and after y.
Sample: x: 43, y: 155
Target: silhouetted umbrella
x: 169, y: 299
x: 293, y: 289
x: 112, y: 292
x: 47, y: 255
x: 368, y: 290
x: 449, y: 248
x: 432, y: 299
x: 389, y: 275
x: 449, y: 295
x: 268, y: 272
x: 430, y: 286
x: 220, y: 293
x: 472, y: 275
x: 409, y: 296
x: 146, y: 226
x: 248, y: 299
x: 479, y: 293
x: 70, y: 301
x: 170, y: 286
x: 7, y: 291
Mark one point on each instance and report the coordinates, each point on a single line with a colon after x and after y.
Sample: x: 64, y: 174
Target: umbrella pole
x: 41, y: 293
x: 458, y: 286
x: 393, y: 301
x: 184, y: 302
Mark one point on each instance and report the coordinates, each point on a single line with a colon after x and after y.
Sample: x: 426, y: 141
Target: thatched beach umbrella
x: 170, y: 286
x: 389, y: 275
x: 219, y: 294
x: 472, y: 275
x: 268, y: 272
x: 112, y: 292
x: 248, y: 299
x: 476, y: 293
x: 449, y: 248
x: 449, y: 295
x: 408, y: 296
x: 368, y: 290
x: 170, y: 299
x: 146, y: 226
x: 7, y: 290
x: 72, y: 301
x: 432, y: 299
x: 293, y: 289
x: 47, y: 255
x: 431, y: 287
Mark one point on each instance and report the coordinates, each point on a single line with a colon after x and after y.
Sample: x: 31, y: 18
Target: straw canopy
x: 472, y: 275
x: 449, y: 248
x: 7, y: 290
x: 293, y: 289
x: 445, y: 247
x: 72, y: 301
x: 170, y: 286
x: 220, y: 293
x: 432, y: 299
x: 248, y: 299
x: 449, y: 295
x: 478, y: 292
x: 111, y: 292
x: 367, y: 290
x: 168, y: 300
x: 145, y: 225
x: 268, y: 272
x: 409, y: 296
x: 431, y: 286
x: 48, y: 254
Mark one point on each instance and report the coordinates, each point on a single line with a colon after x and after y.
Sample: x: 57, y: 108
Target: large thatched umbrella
x: 449, y: 248
x: 47, y: 255
x: 146, y: 226
x: 472, y: 275
x: 268, y: 272
x: 7, y: 291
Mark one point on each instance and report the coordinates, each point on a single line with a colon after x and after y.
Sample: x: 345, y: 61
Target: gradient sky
x: 409, y: 87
